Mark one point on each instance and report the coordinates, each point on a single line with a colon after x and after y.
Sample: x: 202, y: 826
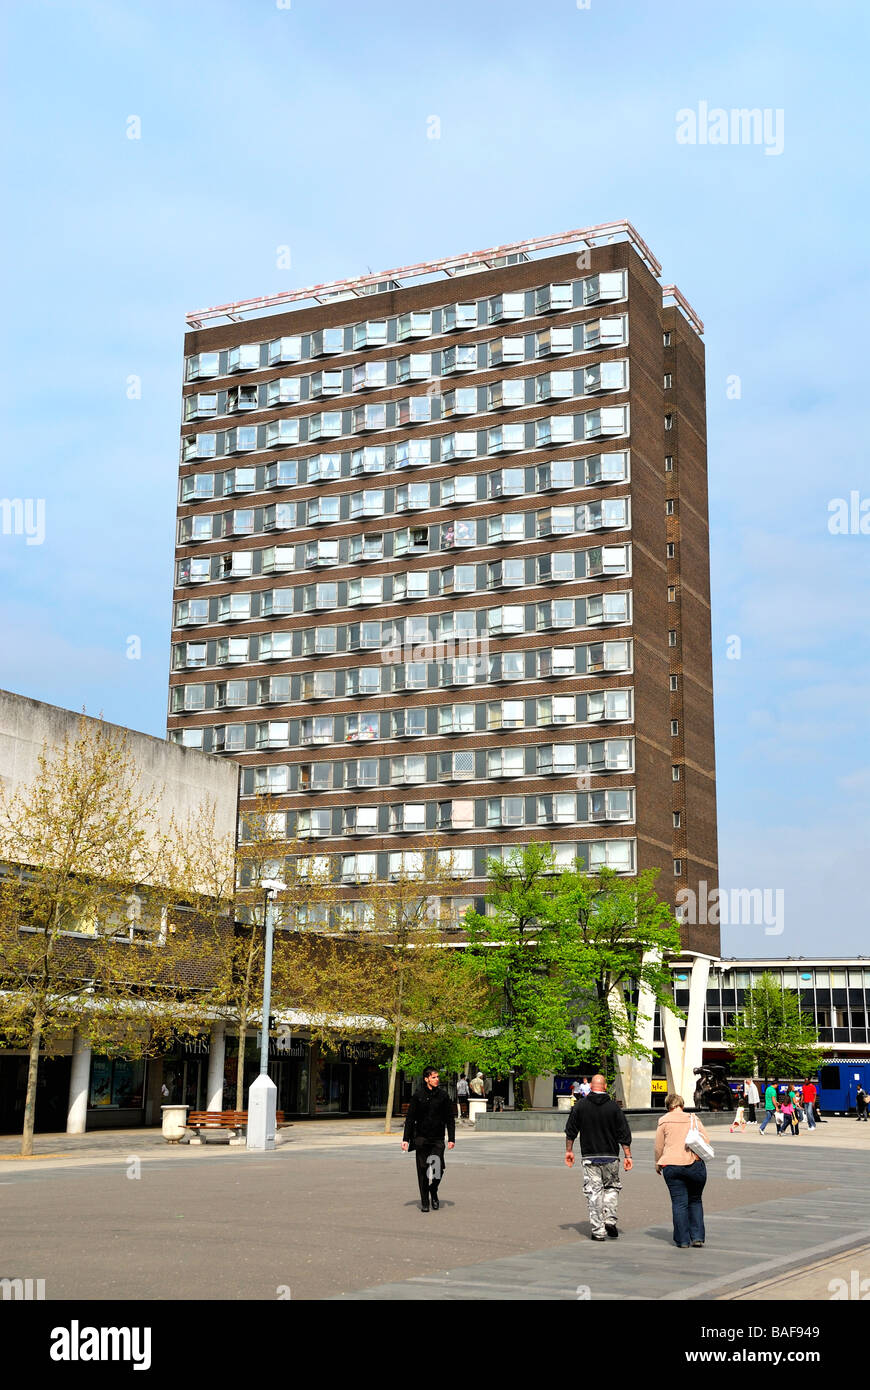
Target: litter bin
x: 174, y: 1122
x: 476, y: 1106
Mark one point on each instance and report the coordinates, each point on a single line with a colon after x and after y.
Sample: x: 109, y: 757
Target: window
x: 675, y: 727
x: 411, y: 585
x: 672, y: 637
x: 282, y: 473
x: 560, y: 809
x: 675, y: 772
x: 462, y: 671
x: 669, y: 463
x: 599, y: 333
x: 320, y: 553
x: 612, y: 805
x: 203, y: 406
x: 231, y: 693
x: 417, y: 367
x: 605, y: 376
x: 372, y: 334
x: 605, y: 468
x: 505, y: 350
x: 505, y: 574
x: 503, y: 528
x: 362, y: 728
x: 414, y: 325
x: 189, y: 655
x: 242, y: 398
x: 607, y: 656
x: 368, y: 417
x: 455, y: 767
x: 240, y: 441
x: 554, y: 386
x: 677, y: 820
x: 555, y: 567
x: 608, y: 285
x: 271, y: 779
x: 457, y: 446
x: 507, y: 666
x: 668, y: 381
x: 199, y: 446
x: 315, y: 777
x: 281, y: 432
x: 455, y: 491
x: 234, y: 607
x: 457, y: 534
x: 507, y: 395
x: 368, y: 589
x: 456, y: 719
x: 319, y: 728
x: 666, y: 339
x: 328, y: 383
x: 678, y: 868
x: 505, y: 439
x: 673, y: 682
x: 506, y: 482
x: 505, y: 622
x: 459, y: 579
x: 413, y: 497
x: 556, y: 613
x: 364, y: 772
x: 278, y: 559
x: 457, y: 316
x: 507, y: 306
x: 413, y: 410
x: 371, y: 502
x: 197, y: 487
x: 504, y: 811
x: 285, y: 350
x: 555, y: 661
x: 232, y: 651
x: 462, y: 358
x: 318, y: 685
x: 506, y: 714
x: 669, y: 422
x: 203, y: 364
x: 552, y: 342
x: 367, y: 636
x: 229, y: 738
x: 186, y: 698
x: 555, y: 709
x: 371, y: 459
x: 460, y: 402
x: 322, y: 511
x: 413, y: 675
x: 327, y: 340
x: 319, y: 641
x: 194, y: 570
x: 408, y: 863
x: 408, y: 768
x: 554, y: 430
x: 271, y: 690
x: 408, y: 723
x: 359, y: 868
x: 602, y: 705
x: 365, y: 680
x: 361, y: 820
x: 505, y: 762
x: 412, y: 453
x: 612, y: 854
x: 273, y: 734
x: 608, y: 608
x: 456, y: 815
x: 244, y: 359
x: 315, y: 596
x: 408, y: 817
x: 609, y: 420
x: 610, y: 513
x: 550, y: 298
x: 191, y: 612
x: 556, y: 759
x: 326, y: 425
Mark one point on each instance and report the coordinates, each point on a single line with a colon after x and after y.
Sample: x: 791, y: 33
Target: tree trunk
x: 30, y: 1101
x: 394, y: 1060
x: 240, y: 1063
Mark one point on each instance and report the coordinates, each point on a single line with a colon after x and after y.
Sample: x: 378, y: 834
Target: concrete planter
x: 564, y: 1102
x: 476, y: 1108
x: 174, y: 1122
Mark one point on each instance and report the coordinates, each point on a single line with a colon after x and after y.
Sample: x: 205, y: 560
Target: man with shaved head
x: 602, y: 1128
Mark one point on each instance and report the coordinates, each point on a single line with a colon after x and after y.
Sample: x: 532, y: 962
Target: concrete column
x: 79, y: 1081
x: 542, y: 1092
x: 216, y: 1053
x: 693, y: 1047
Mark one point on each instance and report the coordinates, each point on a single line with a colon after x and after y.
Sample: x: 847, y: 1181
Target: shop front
x: 351, y: 1079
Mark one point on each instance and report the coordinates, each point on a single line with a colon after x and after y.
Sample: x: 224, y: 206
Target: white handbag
x: 696, y: 1142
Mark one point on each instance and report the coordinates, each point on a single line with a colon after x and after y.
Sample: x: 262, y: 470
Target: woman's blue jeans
x: 685, y: 1184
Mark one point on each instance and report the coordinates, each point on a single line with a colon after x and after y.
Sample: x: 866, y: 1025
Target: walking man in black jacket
x: 602, y: 1127
x: 429, y: 1114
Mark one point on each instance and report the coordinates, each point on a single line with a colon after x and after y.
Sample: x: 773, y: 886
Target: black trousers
x: 430, y: 1165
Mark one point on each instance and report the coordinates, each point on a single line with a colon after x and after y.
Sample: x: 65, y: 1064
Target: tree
x: 230, y: 907
x: 86, y: 940
x: 560, y: 951
x: 770, y: 1036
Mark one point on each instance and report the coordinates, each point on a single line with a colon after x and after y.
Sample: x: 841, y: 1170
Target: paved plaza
x: 333, y: 1214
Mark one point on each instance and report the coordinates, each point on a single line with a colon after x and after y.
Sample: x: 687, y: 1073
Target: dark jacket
x: 601, y: 1125
x: 429, y: 1114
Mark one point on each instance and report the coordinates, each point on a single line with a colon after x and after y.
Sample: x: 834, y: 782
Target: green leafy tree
x: 770, y: 1036
x: 559, y: 953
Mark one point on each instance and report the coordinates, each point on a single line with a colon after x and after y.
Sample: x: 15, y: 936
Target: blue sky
x: 306, y: 126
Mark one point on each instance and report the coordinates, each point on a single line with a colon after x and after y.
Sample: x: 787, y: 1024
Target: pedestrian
x: 739, y: 1121
x: 602, y: 1128
x: 477, y: 1086
x: 585, y: 1088
x: 462, y: 1097
x: 771, y: 1106
x: 575, y: 1091
x: 861, y: 1101
x: 683, y: 1171
x: 797, y: 1098
x: 752, y: 1099
x: 810, y: 1094
x: 786, y: 1109
x: 430, y: 1113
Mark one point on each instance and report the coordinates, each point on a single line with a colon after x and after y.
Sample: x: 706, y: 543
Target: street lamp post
x: 263, y: 1093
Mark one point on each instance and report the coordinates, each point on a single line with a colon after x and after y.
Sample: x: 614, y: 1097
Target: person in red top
x: 810, y: 1093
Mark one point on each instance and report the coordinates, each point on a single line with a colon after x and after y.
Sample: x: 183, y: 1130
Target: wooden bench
x: 236, y: 1120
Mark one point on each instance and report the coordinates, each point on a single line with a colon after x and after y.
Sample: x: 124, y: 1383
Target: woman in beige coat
x: 682, y: 1170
